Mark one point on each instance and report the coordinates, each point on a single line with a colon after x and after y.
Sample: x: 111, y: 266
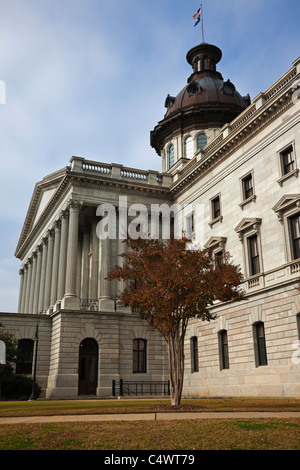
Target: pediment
x: 248, y: 224
x: 44, y: 199
x: 44, y: 193
x: 214, y: 242
x: 286, y: 202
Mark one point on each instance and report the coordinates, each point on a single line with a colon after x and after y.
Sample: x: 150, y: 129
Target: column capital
x: 50, y: 233
x: 38, y: 248
x: 74, y: 205
x: 21, y: 271
x: 64, y: 214
x: 56, y: 225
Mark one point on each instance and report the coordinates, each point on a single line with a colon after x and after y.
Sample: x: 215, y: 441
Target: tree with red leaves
x: 171, y: 282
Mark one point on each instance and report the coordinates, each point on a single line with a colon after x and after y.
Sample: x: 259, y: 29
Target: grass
x: 73, y: 407
x: 159, y: 435
x: 189, y: 435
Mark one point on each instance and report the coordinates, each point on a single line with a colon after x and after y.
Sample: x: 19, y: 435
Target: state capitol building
x: 239, y: 160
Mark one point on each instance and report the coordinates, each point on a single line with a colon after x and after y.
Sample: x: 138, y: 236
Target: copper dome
x: 207, y: 101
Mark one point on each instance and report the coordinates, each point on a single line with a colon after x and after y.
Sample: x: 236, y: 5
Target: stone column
x: 78, y: 268
x: 63, y: 255
x: 48, y: 280
x: 122, y: 249
x: 21, y: 272
x: 27, y: 294
x: 54, y: 277
x: 70, y: 300
x: 85, y: 263
x: 35, y: 308
x: 25, y: 268
x: 33, y: 279
x: 93, y: 284
x: 105, y: 301
x: 43, y: 275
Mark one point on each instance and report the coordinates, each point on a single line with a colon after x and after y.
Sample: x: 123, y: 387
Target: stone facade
x: 242, y: 188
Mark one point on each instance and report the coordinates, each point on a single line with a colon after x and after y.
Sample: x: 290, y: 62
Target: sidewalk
x: 148, y: 417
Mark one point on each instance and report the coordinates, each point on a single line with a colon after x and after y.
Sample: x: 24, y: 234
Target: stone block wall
x: 280, y: 377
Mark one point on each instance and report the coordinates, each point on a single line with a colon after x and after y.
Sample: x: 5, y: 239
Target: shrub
x: 19, y: 387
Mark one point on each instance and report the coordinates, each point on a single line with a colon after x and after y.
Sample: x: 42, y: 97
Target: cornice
x: 46, y: 183
x: 74, y: 180
x: 29, y: 229
x: 265, y: 109
x: 111, y: 185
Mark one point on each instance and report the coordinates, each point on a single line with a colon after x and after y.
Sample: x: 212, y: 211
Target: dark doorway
x: 88, y: 367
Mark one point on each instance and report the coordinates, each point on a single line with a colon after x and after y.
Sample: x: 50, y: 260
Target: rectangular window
x: 216, y: 207
x: 190, y: 226
x: 223, y: 350
x: 194, y: 355
x: 254, y: 264
x: 295, y: 235
x: 218, y: 258
x: 260, y: 344
x: 247, y: 187
x: 287, y: 160
x: 139, y: 356
x: 24, y: 356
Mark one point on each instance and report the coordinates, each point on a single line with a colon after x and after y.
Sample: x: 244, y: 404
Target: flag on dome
x: 197, y: 16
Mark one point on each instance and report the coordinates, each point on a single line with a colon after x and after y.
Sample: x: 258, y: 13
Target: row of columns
x: 70, y: 263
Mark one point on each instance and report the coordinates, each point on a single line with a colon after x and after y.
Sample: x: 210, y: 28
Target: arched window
x: 170, y: 156
x: 194, y: 355
x: 260, y: 349
x: 189, y: 151
x: 139, y: 355
x: 88, y: 367
x: 24, y: 356
x: 223, y: 350
x: 201, y: 141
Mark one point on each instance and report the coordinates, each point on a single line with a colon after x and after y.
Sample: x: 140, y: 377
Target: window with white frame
x: 247, y: 189
x: 217, y: 247
x: 189, y: 150
x: 189, y: 221
x: 288, y: 212
x: 295, y: 235
x: 170, y: 155
x: 254, y: 264
x: 248, y: 231
x: 201, y: 141
x: 215, y: 209
x: 287, y: 163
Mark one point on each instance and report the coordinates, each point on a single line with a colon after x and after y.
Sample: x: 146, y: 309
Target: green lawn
x: 191, y: 434
x: 58, y: 407
x: 185, y: 435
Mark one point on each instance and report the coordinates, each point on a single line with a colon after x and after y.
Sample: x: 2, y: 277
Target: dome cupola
x: 206, y: 102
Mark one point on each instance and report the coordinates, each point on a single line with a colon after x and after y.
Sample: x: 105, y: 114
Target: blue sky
x: 90, y: 77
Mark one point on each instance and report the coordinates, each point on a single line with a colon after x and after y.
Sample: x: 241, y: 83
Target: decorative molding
x: 246, y: 225
x: 287, y: 202
x: 216, y: 242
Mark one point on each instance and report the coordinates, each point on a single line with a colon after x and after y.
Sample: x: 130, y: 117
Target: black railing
x: 128, y: 388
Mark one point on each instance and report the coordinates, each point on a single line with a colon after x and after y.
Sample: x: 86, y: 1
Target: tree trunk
x: 175, y: 341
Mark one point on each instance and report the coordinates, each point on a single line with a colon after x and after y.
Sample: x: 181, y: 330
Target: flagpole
x: 202, y: 23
